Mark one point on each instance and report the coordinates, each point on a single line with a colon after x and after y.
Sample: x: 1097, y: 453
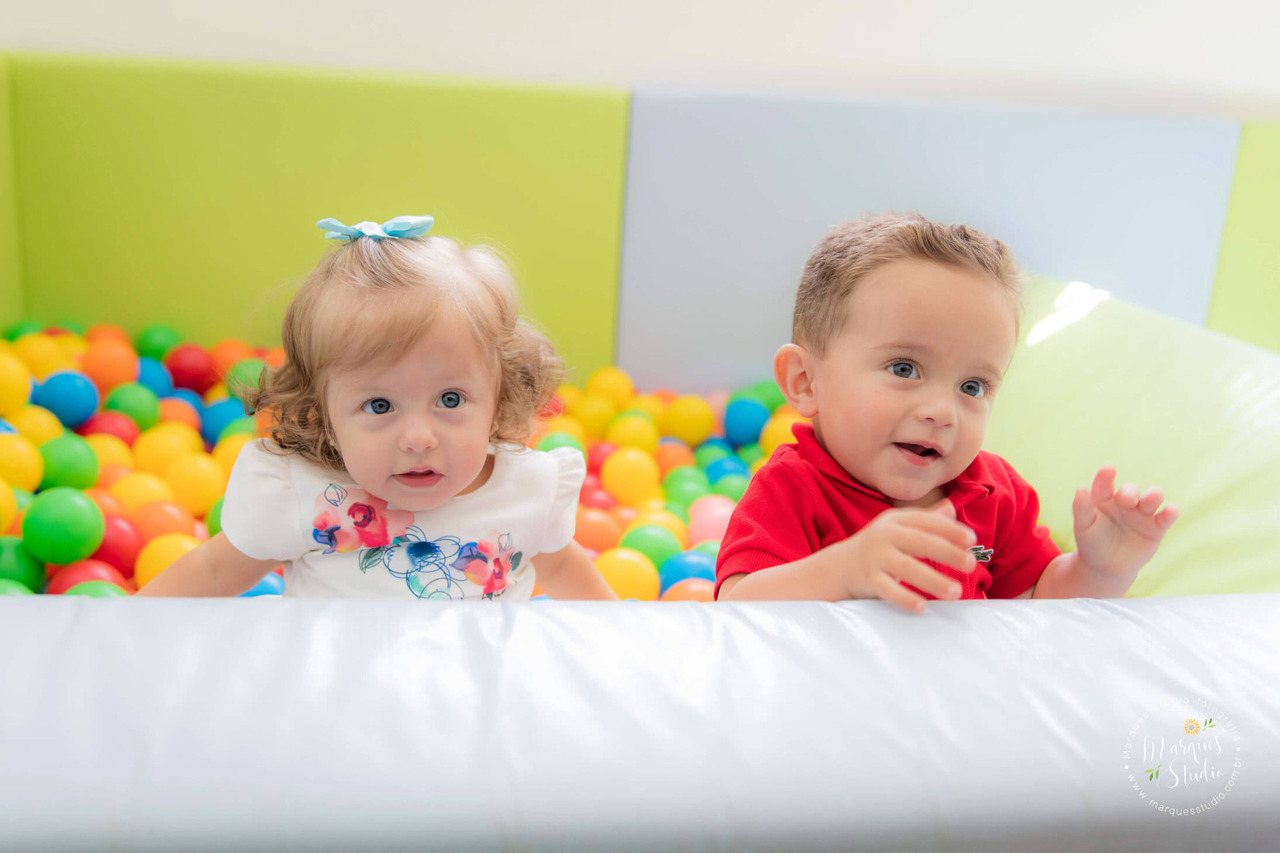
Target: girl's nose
x: 417, y: 435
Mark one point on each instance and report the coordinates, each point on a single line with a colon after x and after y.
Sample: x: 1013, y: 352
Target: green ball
x: 23, y: 327
x: 96, y: 589
x: 61, y: 526
x: 732, y: 486
x: 552, y: 440
x: 24, y: 498
x: 685, y: 492
x: 156, y: 340
x: 768, y: 392
x: 246, y: 425
x: 682, y: 474
x: 213, y: 519
x: 8, y: 587
x: 244, y: 376
x: 711, y: 546
x: 654, y: 541
x: 679, y: 510
x: 749, y: 453
x: 68, y: 461
x: 136, y: 401
x: 708, y: 453
x: 19, y: 566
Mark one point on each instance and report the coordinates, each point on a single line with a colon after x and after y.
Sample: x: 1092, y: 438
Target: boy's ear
x: 793, y: 371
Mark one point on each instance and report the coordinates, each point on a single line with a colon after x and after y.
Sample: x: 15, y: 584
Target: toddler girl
x: 396, y: 463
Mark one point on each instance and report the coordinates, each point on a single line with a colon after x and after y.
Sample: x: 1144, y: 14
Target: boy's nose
x: 938, y: 407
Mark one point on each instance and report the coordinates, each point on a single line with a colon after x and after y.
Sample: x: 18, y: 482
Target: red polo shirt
x: 801, y: 501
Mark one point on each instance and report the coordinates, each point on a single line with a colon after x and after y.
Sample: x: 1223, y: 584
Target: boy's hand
x: 1118, y: 531
x: 890, y: 549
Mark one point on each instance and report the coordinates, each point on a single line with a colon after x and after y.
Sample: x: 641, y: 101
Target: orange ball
x: 690, y: 589
x: 596, y: 529
x: 109, y: 362
x: 108, y: 332
x: 275, y: 357
x: 623, y: 514
x: 673, y: 454
x: 110, y: 474
x: 160, y: 517
x: 107, y: 502
x: 180, y: 411
x: 227, y: 354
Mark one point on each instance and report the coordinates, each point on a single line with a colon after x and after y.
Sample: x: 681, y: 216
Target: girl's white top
x: 337, y: 540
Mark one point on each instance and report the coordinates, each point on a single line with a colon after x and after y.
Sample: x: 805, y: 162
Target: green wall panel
x: 1246, y: 293
x: 187, y: 193
x: 11, y: 303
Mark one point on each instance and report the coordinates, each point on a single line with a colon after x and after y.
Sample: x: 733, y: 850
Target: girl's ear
x: 793, y: 371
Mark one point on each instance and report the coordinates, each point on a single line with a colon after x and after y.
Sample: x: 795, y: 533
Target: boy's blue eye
x: 450, y: 400
x: 973, y: 388
x: 904, y: 370
x: 377, y: 406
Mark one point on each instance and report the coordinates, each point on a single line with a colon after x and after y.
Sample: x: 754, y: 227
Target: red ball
x: 191, y: 366
x: 597, y: 498
x: 81, y: 571
x: 121, y: 542
x: 597, y: 453
x: 110, y: 422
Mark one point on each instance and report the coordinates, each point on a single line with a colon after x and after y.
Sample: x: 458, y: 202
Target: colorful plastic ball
x: 8, y: 505
x: 213, y: 520
x: 690, y: 419
x: 191, y: 366
x: 631, y: 476
x: 36, y: 423
x: 42, y: 355
x: 657, y: 543
x: 651, y: 404
x: 777, y: 432
x: 111, y: 474
x: 109, y: 363
x: 672, y: 453
x: 708, y: 518
x: 597, y: 453
x: 197, y: 481
x: 21, y: 465
x: 160, y: 553
x: 138, y: 488
x: 685, y: 565
x: 665, y: 518
x: 612, y: 383
x: 629, y: 573
x: 245, y: 375
x: 690, y: 589
x: 121, y: 543
x: 709, y: 546
x: 594, y: 413
x: 80, y: 571
x: 191, y: 398
x: 160, y: 517
x: 154, y: 376
x: 724, y: 466
x: 68, y: 461
x: 15, y: 383
x: 228, y: 450
x: 566, y: 424
x: 271, y: 584
x: 22, y: 328
x: 107, y: 502
x: 178, y: 410
x: 596, y: 529
x: 156, y: 448
x: 553, y: 440
x: 61, y: 526
x: 744, y: 418
x: 732, y: 486
x: 750, y: 454
x: 227, y: 353
x: 597, y: 498
x: 218, y: 416
x: 105, y: 332
x: 19, y: 565
x: 635, y: 430
x: 98, y: 589
x: 69, y: 395
x: 12, y: 587
x: 112, y: 423
x: 156, y: 340
x: 137, y: 401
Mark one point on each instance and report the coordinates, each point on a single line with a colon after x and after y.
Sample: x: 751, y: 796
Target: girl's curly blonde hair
x: 370, y: 301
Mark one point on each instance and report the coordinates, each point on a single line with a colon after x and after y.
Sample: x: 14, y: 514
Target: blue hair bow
x: 398, y: 228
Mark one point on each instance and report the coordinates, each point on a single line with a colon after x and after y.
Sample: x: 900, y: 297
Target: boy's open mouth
x: 917, y: 449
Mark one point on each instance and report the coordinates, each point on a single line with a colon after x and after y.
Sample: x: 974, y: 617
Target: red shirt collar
x: 969, y: 486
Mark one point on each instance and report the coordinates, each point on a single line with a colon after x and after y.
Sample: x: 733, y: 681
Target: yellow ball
x: 110, y: 450
x: 633, y: 431
x: 15, y: 383
x: 629, y: 573
x: 42, y: 355
x: 197, y: 481
x: 569, y: 395
x: 566, y: 424
x: 689, y: 418
x: 595, y: 413
x: 164, y: 442
x: 662, y: 518
x: 8, y: 506
x: 140, y: 488
x: 228, y: 450
x: 612, y: 383
x: 72, y: 346
x: 631, y: 476
x: 216, y: 393
x: 159, y: 554
x: 36, y: 423
x: 776, y: 432
x: 21, y: 465
x: 651, y: 404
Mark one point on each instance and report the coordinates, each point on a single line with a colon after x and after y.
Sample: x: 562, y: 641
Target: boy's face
x: 904, y: 392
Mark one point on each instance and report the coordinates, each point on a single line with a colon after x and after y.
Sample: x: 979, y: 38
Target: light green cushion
x: 187, y: 193
x: 1171, y: 405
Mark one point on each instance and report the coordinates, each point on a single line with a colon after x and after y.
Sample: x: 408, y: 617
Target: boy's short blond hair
x: 849, y: 252
x: 370, y: 301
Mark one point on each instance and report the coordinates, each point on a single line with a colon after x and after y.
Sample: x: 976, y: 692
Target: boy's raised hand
x: 889, y: 550
x: 1118, y: 530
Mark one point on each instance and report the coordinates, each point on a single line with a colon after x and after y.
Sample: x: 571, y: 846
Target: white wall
x: 1207, y: 57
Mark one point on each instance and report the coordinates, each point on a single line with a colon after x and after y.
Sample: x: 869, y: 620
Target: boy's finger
x: 887, y: 588
x: 923, y: 544
x: 1150, y: 502
x: 927, y: 579
x: 1166, y: 517
x: 1104, y: 484
x: 937, y: 523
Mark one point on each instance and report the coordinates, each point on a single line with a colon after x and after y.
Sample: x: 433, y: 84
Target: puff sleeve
x: 570, y: 471
x: 260, y: 514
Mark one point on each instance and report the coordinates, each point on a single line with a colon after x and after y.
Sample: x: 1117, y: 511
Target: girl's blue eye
x: 377, y: 406
x: 973, y: 388
x: 450, y: 400
x: 904, y: 370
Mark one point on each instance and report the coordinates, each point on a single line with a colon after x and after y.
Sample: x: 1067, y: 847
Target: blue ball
x: 6, y: 427
x: 217, y: 416
x: 686, y: 564
x: 716, y: 441
x: 744, y: 418
x: 154, y: 376
x: 70, y: 395
x: 271, y: 584
x: 726, y: 465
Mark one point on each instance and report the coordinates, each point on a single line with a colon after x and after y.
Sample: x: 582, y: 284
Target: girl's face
x: 414, y: 431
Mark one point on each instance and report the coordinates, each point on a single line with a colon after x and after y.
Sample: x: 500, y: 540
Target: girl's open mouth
x: 419, y: 478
